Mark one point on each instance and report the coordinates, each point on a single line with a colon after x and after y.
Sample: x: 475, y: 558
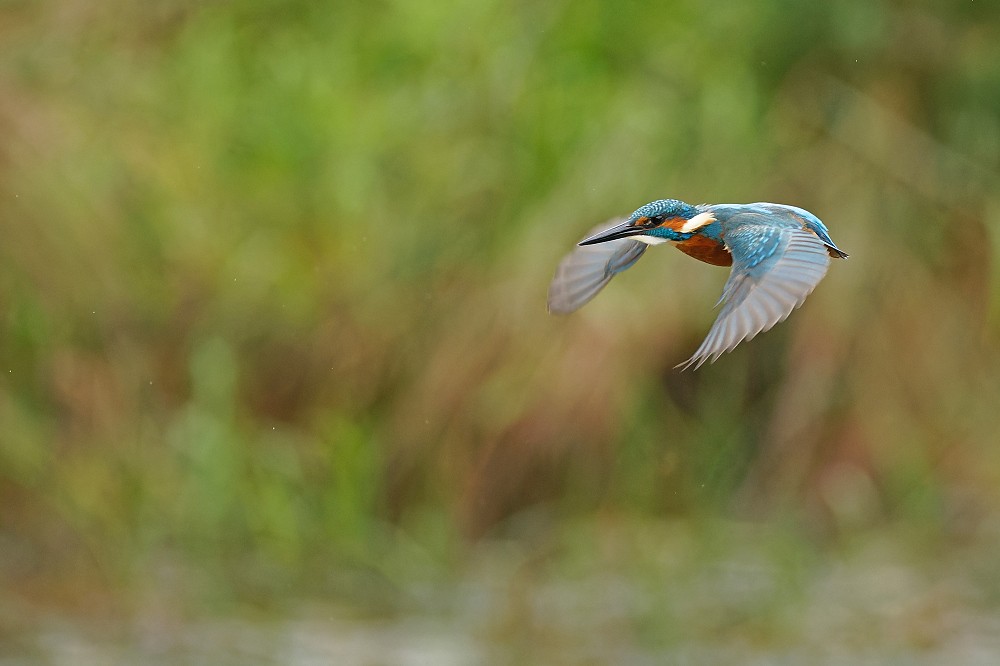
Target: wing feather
x: 774, y: 270
x: 588, y: 268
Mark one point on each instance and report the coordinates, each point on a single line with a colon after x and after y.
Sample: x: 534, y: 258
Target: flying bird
x: 778, y: 255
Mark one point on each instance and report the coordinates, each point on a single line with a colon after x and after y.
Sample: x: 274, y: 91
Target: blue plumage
x: 664, y: 208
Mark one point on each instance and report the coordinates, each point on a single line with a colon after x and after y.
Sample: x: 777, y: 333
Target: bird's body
x: 778, y: 255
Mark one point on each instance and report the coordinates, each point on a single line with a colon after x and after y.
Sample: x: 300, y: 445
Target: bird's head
x: 656, y: 222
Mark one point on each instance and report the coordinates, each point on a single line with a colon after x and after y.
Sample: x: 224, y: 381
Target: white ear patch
x: 697, y: 222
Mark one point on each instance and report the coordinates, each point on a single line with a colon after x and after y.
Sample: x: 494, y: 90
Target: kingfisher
x: 778, y: 255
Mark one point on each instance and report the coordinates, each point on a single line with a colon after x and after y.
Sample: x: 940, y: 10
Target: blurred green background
x: 277, y: 382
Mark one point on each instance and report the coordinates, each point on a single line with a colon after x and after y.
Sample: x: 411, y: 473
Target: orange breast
x: 707, y: 250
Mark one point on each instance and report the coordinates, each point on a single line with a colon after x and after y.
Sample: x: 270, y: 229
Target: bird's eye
x: 653, y: 222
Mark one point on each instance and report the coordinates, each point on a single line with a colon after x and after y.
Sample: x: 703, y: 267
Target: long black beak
x: 623, y: 230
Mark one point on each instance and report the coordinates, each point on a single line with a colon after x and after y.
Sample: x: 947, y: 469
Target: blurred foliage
x: 273, y: 274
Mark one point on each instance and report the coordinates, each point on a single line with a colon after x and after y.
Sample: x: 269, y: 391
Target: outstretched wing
x: 585, y: 270
x: 774, y: 269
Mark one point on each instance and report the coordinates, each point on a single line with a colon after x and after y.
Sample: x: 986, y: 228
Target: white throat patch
x: 649, y: 240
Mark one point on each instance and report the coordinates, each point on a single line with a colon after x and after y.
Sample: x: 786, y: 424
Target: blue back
x: 777, y: 215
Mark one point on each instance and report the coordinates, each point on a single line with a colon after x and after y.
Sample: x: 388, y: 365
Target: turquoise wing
x: 774, y: 269
x: 585, y: 270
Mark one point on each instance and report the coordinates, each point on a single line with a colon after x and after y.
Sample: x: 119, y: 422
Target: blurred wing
x: 585, y: 270
x: 774, y: 269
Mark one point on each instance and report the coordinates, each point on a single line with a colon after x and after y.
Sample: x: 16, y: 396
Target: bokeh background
x: 277, y: 382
